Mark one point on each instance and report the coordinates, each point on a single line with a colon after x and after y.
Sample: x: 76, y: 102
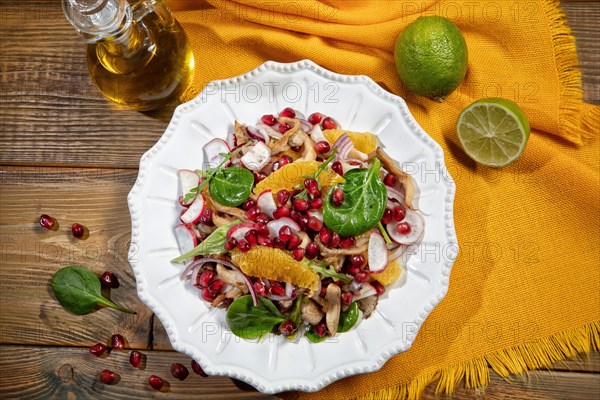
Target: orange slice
x: 293, y: 174
x: 390, y: 274
x: 363, y: 141
x: 275, y: 264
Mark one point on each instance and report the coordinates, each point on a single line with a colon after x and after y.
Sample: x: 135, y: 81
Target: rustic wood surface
x: 58, y: 156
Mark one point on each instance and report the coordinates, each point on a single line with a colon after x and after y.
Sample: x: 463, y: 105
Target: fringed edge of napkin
x: 577, y: 120
x: 518, y: 360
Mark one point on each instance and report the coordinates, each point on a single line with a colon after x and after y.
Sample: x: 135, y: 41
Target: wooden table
x: 67, y: 152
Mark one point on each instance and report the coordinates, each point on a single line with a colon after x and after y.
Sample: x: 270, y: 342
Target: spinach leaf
x: 214, y: 244
x: 365, y: 198
x: 313, y: 337
x: 348, y: 318
x: 78, y: 290
x: 327, y: 271
x: 249, y: 322
x: 231, y: 186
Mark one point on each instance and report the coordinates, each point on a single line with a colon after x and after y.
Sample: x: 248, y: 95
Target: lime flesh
x: 493, y: 131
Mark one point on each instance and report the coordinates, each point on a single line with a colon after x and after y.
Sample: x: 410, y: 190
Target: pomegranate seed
x: 108, y: 377
x: 283, y: 196
x: 252, y: 213
x: 390, y: 179
x: 198, y: 369
x: 285, y: 233
x: 316, y: 194
x: 275, y: 166
x: 283, y: 128
x: 278, y: 244
x: 321, y: 329
x: 248, y: 204
x: 206, y: 277
x: 312, y: 250
x: 285, y: 160
x: 259, y: 176
x: 77, y: 230
x: 262, y: 218
x: 361, y: 277
x: 277, y: 289
x: 303, y: 221
x: 347, y: 242
x: 265, y: 240
x: 315, y: 224
x: 117, y: 342
x: 268, y: 119
x: 357, y: 260
x: 287, y: 328
x: 260, y: 288
x: 294, y: 242
x: 337, y: 197
x: 47, y: 221
x: 261, y: 229
x: 282, y: 212
x: 387, y: 216
x: 216, y: 286
x: 155, y: 382
x: 108, y: 280
x: 403, y: 228
x: 298, y: 254
x: 231, y: 244
x: 329, y: 123
x: 251, y: 237
x: 316, y: 204
x: 399, y: 212
x: 98, y: 349
x: 179, y: 371
x: 347, y: 298
x: 288, y: 112
x: 207, y: 295
x: 295, y: 215
x: 337, y: 167
x: 135, y: 358
x: 315, y: 118
x: 206, y: 217
x: 379, y: 288
x: 335, y: 239
x: 352, y: 270
x: 322, y: 147
x: 325, y: 236
x: 243, y: 245
x: 311, y: 185
x: 300, y: 204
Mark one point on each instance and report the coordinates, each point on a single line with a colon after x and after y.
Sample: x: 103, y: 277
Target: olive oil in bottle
x: 138, y: 56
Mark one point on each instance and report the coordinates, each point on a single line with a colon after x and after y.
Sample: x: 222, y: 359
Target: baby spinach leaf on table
x: 78, y: 290
x: 250, y: 322
x: 214, y: 244
x: 348, y: 318
x: 365, y: 198
x: 231, y: 186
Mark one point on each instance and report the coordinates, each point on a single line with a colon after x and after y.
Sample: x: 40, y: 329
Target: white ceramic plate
x: 275, y: 365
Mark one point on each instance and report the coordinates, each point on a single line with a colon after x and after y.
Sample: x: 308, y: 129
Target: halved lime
x: 493, y: 131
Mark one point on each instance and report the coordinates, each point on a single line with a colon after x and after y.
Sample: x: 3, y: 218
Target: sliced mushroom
x: 305, y: 239
x: 327, y: 252
x: 308, y: 153
x: 218, y: 300
x: 234, y: 293
x: 358, y: 155
x: 241, y: 136
x: 336, y: 261
x: 403, y: 177
x: 332, y: 307
x: 367, y: 305
x: 232, y: 277
x: 232, y: 211
x: 311, y: 312
x: 283, y: 144
x: 219, y: 220
x: 205, y: 230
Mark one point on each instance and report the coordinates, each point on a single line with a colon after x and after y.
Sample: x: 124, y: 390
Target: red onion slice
x: 256, y: 134
x: 267, y: 130
x: 305, y: 125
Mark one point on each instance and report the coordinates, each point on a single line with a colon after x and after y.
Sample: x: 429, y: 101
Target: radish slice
x: 366, y: 291
x: 231, y: 140
x: 315, y: 213
x: 194, y: 212
x: 212, y: 152
x: 187, y: 181
x: 275, y: 225
x: 266, y: 203
x: 417, y: 228
x: 268, y: 131
x: 186, y: 238
x: 397, y: 253
x: 238, y: 231
x: 377, y: 253
x: 257, y: 157
x: 316, y: 134
x: 256, y: 134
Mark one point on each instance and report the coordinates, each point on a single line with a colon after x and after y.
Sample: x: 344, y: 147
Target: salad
x: 295, y: 226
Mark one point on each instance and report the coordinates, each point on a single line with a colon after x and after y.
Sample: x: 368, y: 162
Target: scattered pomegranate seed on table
x: 117, y: 342
x: 108, y: 377
x: 198, y: 369
x: 179, y: 371
x: 77, y: 230
x: 47, y: 221
x: 288, y: 112
x: 155, y: 382
x: 98, y: 349
x: 135, y: 358
x: 108, y: 280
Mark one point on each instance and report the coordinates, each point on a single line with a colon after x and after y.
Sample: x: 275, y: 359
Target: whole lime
x: 431, y: 57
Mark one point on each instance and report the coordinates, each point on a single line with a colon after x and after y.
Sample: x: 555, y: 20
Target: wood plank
x: 49, y: 102
x: 31, y: 254
x: 72, y: 373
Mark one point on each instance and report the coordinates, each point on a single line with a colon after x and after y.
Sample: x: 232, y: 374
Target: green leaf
x: 214, y: 244
x: 250, y: 322
x: 78, y: 290
x: 327, y: 271
x: 312, y: 336
x: 348, y: 318
x: 231, y: 186
x: 365, y: 198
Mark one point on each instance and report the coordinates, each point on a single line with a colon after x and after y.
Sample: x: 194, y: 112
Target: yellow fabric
x: 524, y: 290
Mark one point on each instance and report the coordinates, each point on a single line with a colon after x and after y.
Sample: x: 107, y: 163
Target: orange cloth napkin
x: 524, y: 291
